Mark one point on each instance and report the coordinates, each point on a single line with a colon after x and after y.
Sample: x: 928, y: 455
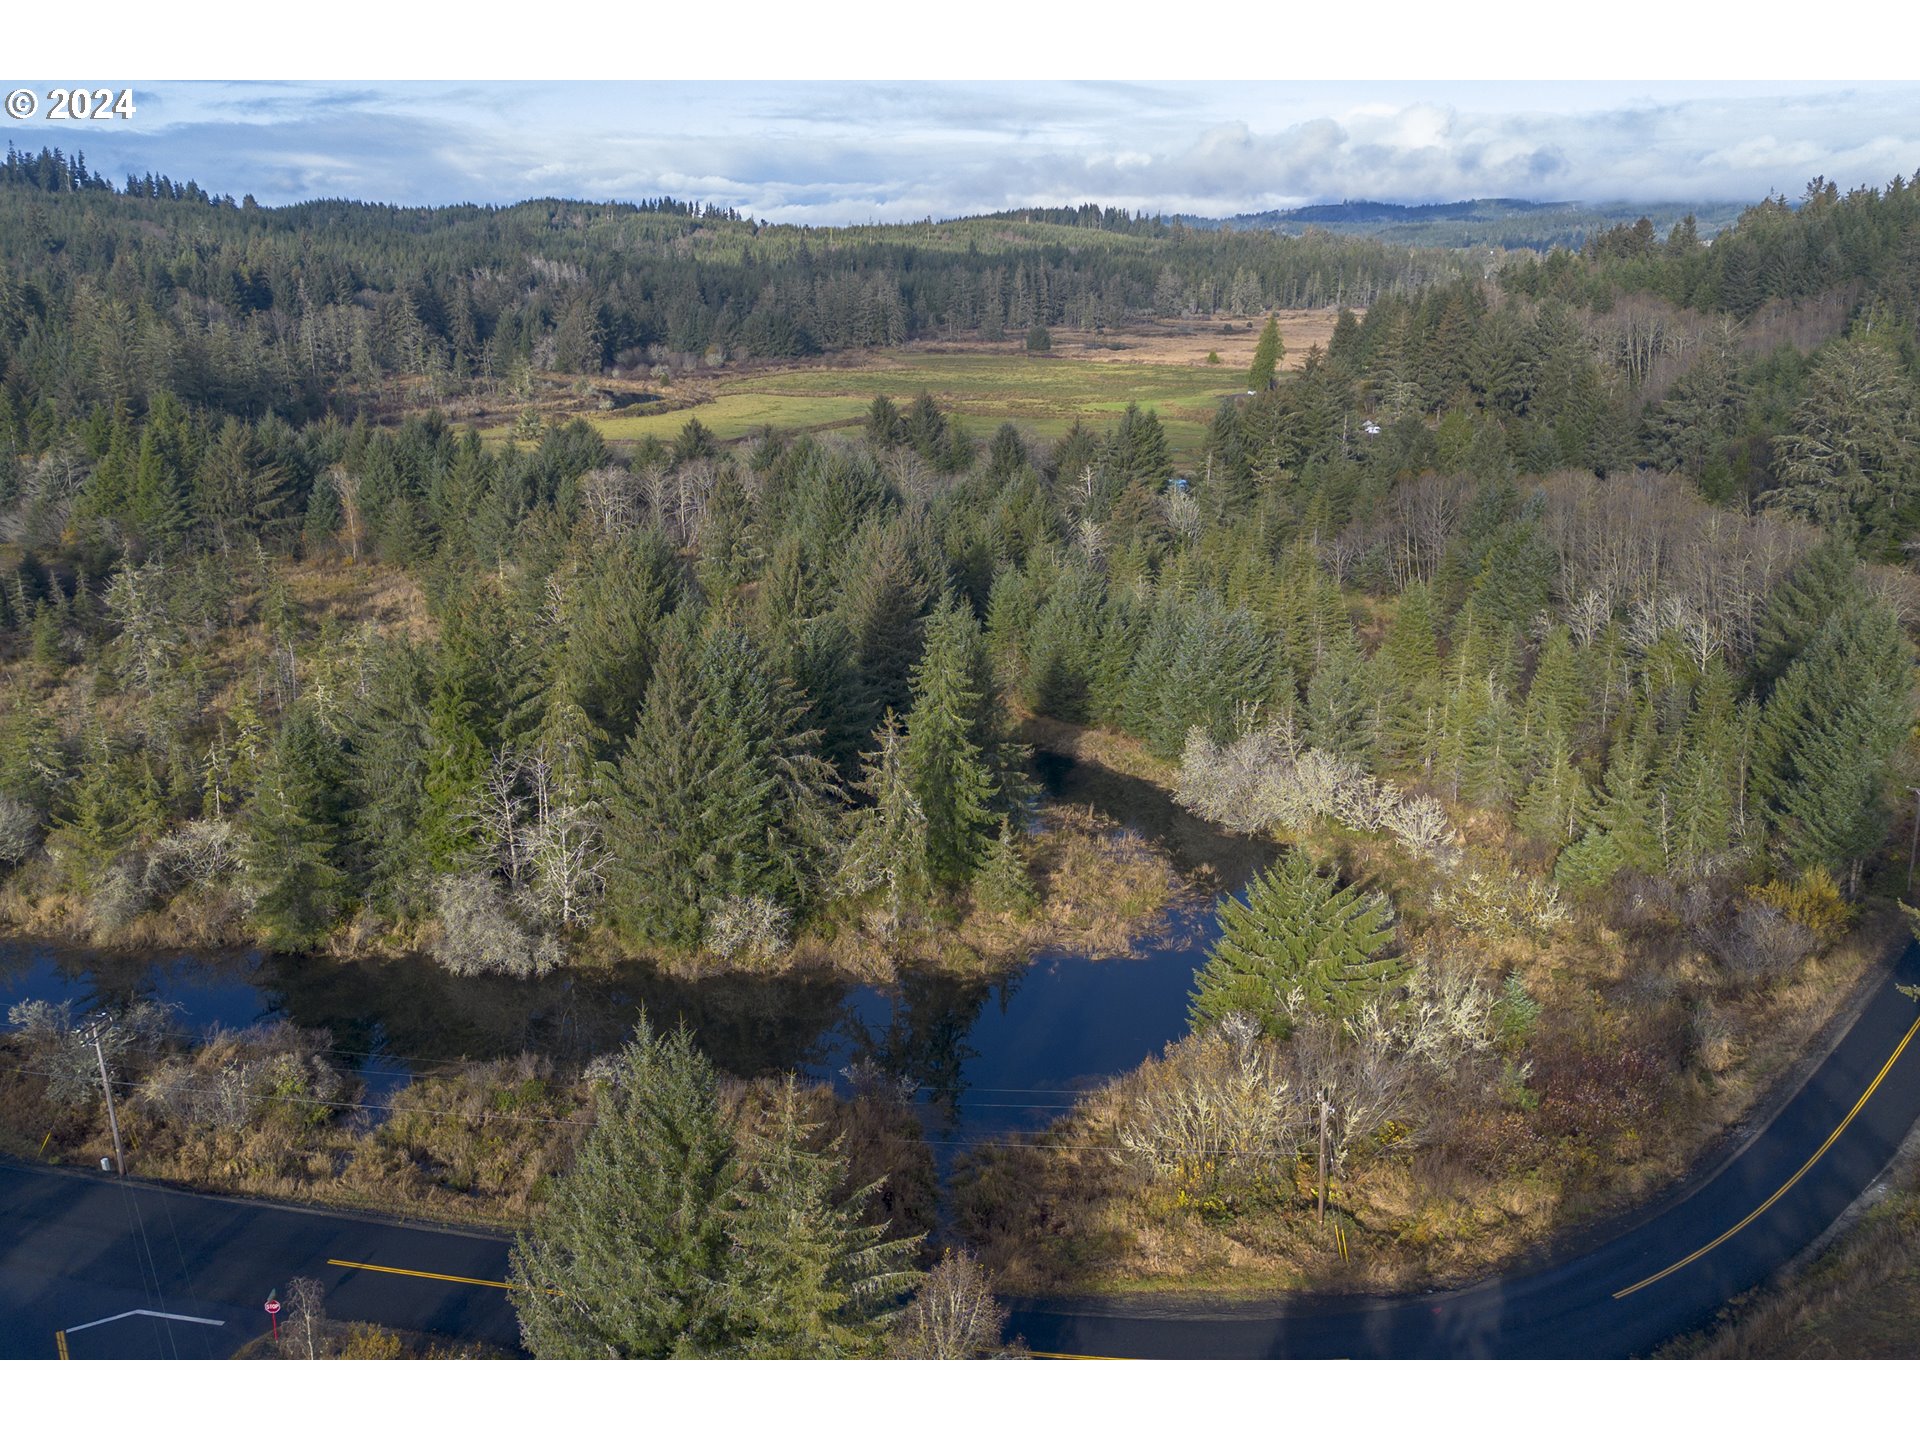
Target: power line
x: 166, y: 1052
x: 985, y: 1142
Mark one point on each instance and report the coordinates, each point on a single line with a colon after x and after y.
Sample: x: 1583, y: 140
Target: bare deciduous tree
x: 953, y: 1316
x: 304, y: 1331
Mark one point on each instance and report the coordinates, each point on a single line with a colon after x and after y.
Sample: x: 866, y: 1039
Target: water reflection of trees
x: 926, y: 1040
x: 749, y: 1025
x: 922, y: 1031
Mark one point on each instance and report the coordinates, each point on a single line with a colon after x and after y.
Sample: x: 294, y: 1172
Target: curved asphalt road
x: 1666, y: 1275
x: 158, y: 1264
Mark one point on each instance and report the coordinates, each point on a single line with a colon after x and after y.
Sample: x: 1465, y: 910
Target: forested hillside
x: 111, y: 297
x: 1394, y: 542
x: 1502, y: 224
x: 1561, y: 616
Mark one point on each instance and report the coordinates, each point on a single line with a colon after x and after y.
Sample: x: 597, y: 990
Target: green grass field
x: 1043, y: 396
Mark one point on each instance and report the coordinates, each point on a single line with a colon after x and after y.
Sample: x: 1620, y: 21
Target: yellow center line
x: 1061, y: 1355
x: 60, y: 1343
x: 1858, y: 1106
x: 421, y: 1274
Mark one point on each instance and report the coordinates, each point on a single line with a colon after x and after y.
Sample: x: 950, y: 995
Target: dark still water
x: 983, y: 1057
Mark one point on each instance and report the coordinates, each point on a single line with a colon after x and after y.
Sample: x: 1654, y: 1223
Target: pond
x: 984, y: 1057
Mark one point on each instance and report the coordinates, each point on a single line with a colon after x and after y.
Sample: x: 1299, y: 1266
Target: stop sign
x: 273, y: 1307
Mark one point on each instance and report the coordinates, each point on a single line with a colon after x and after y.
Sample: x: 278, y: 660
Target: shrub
x: 19, y: 830
x: 1763, y: 941
x: 63, y: 1050
x: 481, y: 935
x: 116, y: 896
x: 1218, y: 1112
x: 1600, y: 1092
x: 1266, y: 780
x: 1501, y: 905
x: 240, y: 1079
x: 200, y: 852
x: 953, y: 1315
x: 1373, y: 1079
x: 1812, y: 901
x: 752, y: 925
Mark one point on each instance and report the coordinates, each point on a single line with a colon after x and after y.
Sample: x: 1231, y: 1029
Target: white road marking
x: 129, y: 1314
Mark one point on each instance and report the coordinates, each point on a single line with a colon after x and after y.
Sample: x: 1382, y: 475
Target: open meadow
x: 1086, y: 376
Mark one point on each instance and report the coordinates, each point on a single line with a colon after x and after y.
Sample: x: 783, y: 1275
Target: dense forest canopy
x: 110, y: 295
x: 1557, y: 612
x: 1584, y: 476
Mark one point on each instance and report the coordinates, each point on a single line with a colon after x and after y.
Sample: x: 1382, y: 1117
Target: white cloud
x: 830, y: 153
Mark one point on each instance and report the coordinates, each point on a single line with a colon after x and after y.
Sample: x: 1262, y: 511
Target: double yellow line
x: 1795, y: 1179
x: 422, y: 1274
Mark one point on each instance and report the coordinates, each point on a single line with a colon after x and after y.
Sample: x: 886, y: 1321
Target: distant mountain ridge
x: 1499, y: 221
x: 1386, y: 211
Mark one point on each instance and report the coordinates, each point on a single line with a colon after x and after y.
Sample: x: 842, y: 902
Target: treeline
x: 711, y: 702
x: 1466, y: 547
x: 1776, y: 251
x: 107, y: 298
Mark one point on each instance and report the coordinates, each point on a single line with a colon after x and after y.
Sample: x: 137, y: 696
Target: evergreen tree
x: 456, y: 764
x: 113, y: 802
x: 1267, y: 354
x: 767, y: 798
x: 1495, y: 749
x: 632, y: 1257
x: 1003, y: 884
x: 815, y: 1276
x: 613, y: 616
x: 1627, y: 828
x: 888, y: 851
x: 1137, y: 450
x: 1703, y: 790
x: 884, y: 425
x: 291, y: 850
x: 1555, y: 705
x: 1297, y: 931
x: 660, y: 831
x: 1339, y: 706
x: 1822, y: 581
x: 884, y: 605
x: 718, y: 793
x: 33, y: 769
x: 1064, y: 645
x: 1828, y: 736
x: 157, y: 507
x: 1404, y: 678
x: 951, y: 775
x: 1555, y: 805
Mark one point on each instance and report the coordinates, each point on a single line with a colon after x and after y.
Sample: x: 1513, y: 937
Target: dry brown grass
x: 1180, y: 341
x: 1646, y: 1057
x: 472, y: 1144
x: 1860, y: 1300
x: 1106, y: 748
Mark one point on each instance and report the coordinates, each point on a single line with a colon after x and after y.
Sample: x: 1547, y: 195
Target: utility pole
x: 1326, y: 1109
x: 106, y: 1089
x: 1913, y: 851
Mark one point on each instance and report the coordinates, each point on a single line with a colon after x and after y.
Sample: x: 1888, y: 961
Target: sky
x: 836, y: 153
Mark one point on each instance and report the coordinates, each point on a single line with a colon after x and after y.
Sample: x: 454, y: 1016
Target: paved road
x: 1663, y: 1277
x: 77, y: 1248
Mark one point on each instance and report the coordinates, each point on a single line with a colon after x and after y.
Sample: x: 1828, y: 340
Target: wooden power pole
x: 1326, y: 1109
x: 106, y: 1088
